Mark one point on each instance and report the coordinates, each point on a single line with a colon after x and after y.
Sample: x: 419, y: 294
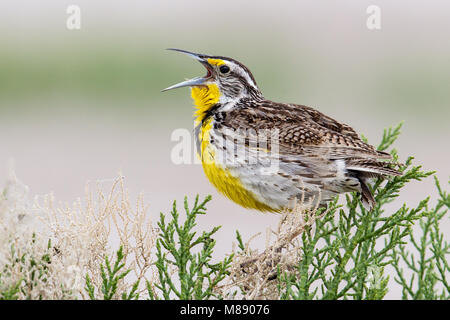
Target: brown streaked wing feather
x: 303, y: 130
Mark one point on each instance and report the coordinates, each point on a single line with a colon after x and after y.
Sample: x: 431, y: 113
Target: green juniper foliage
x: 9, y: 292
x: 111, y: 275
x: 34, y: 269
x: 345, y: 254
x: 427, y: 261
x: 190, y: 255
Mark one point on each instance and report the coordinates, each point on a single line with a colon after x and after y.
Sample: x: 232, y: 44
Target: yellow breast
x: 220, y: 176
x: 205, y: 97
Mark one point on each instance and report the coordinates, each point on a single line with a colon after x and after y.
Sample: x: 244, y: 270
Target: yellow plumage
x: 216, y: 62
x: 204, y: 98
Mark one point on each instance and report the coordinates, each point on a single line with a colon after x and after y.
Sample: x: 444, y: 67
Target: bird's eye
x: 224, y: 69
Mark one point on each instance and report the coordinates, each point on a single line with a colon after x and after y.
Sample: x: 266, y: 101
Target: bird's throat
x: 205, y: 97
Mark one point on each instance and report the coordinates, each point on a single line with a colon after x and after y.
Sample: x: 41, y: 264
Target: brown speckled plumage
x: 313, y: 141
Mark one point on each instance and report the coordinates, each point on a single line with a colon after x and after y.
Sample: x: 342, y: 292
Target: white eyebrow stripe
x: 243, y: 73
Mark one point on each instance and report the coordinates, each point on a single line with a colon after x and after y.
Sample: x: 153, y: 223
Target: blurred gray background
x: 81, y: 105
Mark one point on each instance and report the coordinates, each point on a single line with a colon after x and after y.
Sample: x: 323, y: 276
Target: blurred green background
x: 80, y: 105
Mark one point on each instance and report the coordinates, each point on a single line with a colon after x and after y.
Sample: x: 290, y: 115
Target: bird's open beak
x: 198, y: 81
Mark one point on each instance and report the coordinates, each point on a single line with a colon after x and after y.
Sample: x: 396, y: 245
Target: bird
x: 315, y: 156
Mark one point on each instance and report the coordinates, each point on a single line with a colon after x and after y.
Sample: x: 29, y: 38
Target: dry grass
x: 82, y: 234
x: 253, y: 273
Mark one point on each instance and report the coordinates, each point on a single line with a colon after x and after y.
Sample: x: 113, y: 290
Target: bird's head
x: 226, y: 80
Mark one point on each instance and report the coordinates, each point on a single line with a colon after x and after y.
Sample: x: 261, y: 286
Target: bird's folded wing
x: 302, y: 131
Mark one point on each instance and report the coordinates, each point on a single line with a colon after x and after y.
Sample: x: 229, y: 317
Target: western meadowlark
x: 317, y: 157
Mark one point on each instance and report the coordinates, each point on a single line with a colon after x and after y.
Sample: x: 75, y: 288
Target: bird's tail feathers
x: 367, y: 198
x: 372, y: 168
x: 364, y: 169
